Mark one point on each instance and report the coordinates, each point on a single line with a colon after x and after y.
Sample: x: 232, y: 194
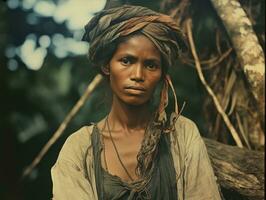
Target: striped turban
x: 109, y: 25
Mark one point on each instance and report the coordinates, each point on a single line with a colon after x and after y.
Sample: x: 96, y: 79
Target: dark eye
x: 125, y: 61
x: 152, y: 65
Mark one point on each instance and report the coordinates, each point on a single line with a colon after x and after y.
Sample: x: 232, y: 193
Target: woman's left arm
x: 199, y: 179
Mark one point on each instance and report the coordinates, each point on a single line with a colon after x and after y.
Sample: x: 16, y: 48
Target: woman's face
x: 134, y: 70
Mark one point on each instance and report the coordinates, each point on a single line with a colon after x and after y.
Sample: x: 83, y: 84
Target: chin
x: 135, y: 101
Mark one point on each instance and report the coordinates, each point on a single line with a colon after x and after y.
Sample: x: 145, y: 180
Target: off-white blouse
x: 74, y: 179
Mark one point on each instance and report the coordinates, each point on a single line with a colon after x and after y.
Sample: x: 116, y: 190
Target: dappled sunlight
x: 33, y: 57
x: 45, y: 8
x: 45, y: 41
x: 74, y: 14
x: 63, y: 46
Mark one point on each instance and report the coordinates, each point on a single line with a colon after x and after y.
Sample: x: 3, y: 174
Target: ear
x: 106, y: 70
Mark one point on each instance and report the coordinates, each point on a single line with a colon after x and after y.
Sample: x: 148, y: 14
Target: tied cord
x: 168, y: 79
x: 116, y: 151
x: 161, y: 113
x: 159, y: 125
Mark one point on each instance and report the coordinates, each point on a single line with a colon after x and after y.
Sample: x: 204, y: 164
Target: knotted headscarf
x: 109, y: 25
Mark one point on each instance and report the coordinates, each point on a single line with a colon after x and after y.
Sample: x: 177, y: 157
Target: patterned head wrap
x: 109, y: 25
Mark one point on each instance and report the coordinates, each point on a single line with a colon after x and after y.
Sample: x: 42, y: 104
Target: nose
x: 137, y: 73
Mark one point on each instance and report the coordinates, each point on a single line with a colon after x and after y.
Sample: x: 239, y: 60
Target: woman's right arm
x: 69, y: 182
x: 69, y: 173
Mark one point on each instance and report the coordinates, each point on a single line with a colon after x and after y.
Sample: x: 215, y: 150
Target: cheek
x: 116, y: 80
x: 113, y: 82
x: 156, y: 79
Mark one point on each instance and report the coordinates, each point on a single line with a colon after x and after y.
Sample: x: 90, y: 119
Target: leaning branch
x: 95, y: 82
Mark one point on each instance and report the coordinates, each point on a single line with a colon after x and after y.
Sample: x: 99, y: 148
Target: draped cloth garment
x: 161, y: 186
x: 74, y: 177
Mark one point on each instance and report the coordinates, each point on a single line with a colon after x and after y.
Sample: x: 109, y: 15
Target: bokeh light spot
x: 33, y: 57
x: 45, y: 8
x: 10, y: 52
x: 45, y: 41
x: 75, y: 14
x: 32, y: 19
x: 12, y: 64
x: 58, y: 39
x: 28, y: 4
x: 13, y: 4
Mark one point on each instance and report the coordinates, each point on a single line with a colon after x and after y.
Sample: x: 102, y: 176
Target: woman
x: 135, y: 152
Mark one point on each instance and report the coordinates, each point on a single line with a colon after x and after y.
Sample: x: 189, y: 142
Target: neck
x: 128, y: 117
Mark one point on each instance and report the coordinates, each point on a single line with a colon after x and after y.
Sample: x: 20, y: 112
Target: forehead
x: 138, y: 45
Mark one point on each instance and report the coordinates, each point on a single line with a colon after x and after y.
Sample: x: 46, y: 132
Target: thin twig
x: 222, y: 57
x: 211, y: 62
x: 96, y: 81
x: 241, y: 129
x: 218, y: 42
x: 209, y: 90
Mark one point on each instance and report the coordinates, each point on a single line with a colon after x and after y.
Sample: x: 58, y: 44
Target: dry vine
x: 209, y: 90
x: 224, y: 72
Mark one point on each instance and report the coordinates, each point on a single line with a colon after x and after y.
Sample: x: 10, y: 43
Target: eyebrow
x: 151, y: 59
x: 155, y: 60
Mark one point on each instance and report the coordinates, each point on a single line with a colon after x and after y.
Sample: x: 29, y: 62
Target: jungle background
x: 44, y: 71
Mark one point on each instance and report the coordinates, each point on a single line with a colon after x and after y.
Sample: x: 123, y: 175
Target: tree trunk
x: 238, y: 170
x: 246, y: 45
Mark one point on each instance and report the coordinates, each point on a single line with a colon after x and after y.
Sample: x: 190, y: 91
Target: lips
x: 135, y: 90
